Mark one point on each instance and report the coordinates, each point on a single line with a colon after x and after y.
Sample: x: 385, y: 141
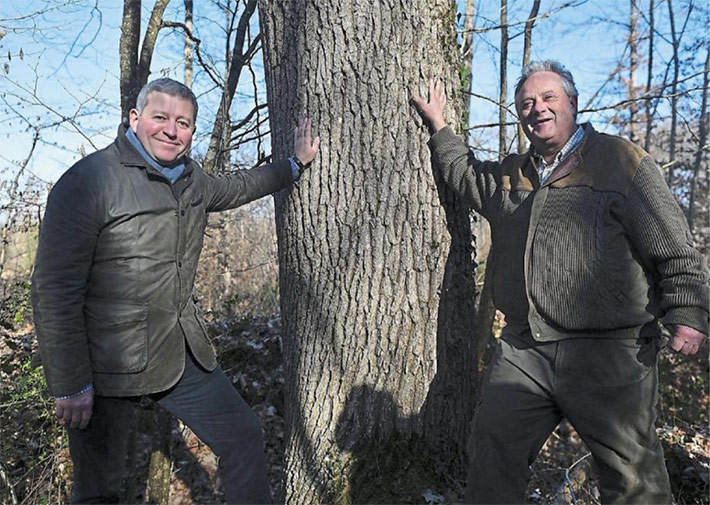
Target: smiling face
x: 546, y: 112
x: 164, y: 127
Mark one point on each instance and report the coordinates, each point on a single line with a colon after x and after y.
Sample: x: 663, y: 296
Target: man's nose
x: 539, y: 106
x: 170, y: 129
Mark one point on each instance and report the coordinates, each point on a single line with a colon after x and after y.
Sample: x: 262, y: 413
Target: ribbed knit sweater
x: 600, y: 250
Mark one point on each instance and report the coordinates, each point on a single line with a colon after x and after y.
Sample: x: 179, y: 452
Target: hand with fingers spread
x: 75, y: 411
x: 686, y: 340
x: 432, y: 111
x: 305, y: 149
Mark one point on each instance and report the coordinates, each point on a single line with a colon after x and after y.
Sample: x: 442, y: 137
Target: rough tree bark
x: 376, y: 269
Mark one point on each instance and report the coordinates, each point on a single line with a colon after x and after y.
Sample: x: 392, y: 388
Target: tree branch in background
x: 211, y: 72
x: 187, y: 51
x: 527, y: 47
x: 702, y: 144
x: 149, y: 38
x: 503, y: 90
x: 649, y: 76
x: 633, y: 64
x: 216, y: 158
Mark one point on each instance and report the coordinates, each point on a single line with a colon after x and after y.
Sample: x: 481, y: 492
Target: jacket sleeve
x: 475, y: 181
x: 62, y: 264
x: 660, y: 233
x: 232, y: 190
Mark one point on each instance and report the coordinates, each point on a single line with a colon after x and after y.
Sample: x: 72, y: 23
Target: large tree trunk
x: 376, y: 269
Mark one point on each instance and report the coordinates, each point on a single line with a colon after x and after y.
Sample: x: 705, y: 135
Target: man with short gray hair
x: 112, y: 295
x: 593, y: 264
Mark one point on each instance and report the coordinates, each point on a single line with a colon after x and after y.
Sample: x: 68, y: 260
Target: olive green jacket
x: 112, y: 290
x: 600, y: 250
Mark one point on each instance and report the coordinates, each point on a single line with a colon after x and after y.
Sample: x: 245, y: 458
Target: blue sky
x: 70, y: 56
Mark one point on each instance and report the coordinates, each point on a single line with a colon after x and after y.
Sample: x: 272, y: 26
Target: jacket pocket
x: 117, y: 331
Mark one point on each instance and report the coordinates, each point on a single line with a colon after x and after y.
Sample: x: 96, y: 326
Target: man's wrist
x: 437, y: 125
x: 85, y: 389
x: 297, y: 167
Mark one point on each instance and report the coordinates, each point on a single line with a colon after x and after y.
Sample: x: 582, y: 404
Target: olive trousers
x: 208, y: 404
x: 606, y: 388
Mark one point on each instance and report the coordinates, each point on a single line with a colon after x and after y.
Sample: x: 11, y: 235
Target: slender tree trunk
x: 217, y: 157
x: 649, y: 76
x: 527, y: 47
x: 128, y: 52
x: 149, y: 39
x: 467, y: 55
x: 187, y: 51
x: 503, y: 96
x: 703, y: 119
x: 674, y: 97
x: 633, y: 65
x: 376, y: 269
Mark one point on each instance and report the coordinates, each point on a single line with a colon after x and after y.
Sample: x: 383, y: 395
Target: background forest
x: 351, y: 312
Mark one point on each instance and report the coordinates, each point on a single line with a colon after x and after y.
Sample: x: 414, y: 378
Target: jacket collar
x: 574, y: 159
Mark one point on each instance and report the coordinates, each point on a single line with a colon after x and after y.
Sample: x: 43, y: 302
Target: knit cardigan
x: 601, y: 249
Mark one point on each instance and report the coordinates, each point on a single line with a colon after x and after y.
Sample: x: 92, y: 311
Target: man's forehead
x: 545, y: 81
x: 159, y: 96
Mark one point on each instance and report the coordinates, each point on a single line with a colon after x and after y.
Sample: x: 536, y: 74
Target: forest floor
x: 250, y: 353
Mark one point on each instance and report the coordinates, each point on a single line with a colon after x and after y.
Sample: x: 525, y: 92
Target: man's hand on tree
x: 686, y: 340
x: 432, y: 111
x: 75, y: 411
x: 305, y: 149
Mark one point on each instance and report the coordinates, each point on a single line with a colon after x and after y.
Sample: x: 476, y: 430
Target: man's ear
x: 133, y: 119
x: 573, y: 101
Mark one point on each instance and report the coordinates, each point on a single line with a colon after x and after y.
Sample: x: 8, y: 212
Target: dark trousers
x: 208, y: 404
x: 606, y: 388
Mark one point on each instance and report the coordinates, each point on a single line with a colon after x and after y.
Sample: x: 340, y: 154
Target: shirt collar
x: 570, y: 146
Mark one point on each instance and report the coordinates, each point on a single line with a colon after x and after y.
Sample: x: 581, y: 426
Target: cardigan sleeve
x: 475, y: 181
x: 661, y: 235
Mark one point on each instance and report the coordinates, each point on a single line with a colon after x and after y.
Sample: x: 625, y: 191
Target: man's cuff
x: 83, y: 390
x: 296, y: 168
x: 694, y: 317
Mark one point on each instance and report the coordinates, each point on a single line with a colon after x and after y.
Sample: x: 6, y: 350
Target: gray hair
x: 169, y: 87
x: 547, y: 66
